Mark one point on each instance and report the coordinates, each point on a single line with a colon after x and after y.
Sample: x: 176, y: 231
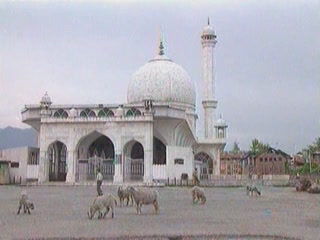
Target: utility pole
x: 310, y: 161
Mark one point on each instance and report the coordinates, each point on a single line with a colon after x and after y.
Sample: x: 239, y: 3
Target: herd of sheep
x: 103, y: 204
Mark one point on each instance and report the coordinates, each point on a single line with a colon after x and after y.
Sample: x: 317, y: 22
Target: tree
x: 254, y: 148
x: 314, y: 147
x: 236, y: 147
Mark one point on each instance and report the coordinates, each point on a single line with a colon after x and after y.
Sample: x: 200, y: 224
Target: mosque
x: 150, y: 138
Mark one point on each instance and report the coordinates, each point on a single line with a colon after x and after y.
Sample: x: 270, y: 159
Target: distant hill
x: 15, y: 137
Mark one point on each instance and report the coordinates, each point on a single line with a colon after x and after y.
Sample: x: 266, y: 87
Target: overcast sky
x: 267, y: 58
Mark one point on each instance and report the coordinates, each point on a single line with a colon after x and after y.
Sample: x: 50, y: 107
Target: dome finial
x: 161, y: 47
x: 208, y: 21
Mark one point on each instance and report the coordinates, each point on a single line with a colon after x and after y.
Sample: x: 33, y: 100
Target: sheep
x: 198, y: 194
x: 251, y: 189
x: 123, y: 194
x: 145, y: 196
x: 25, y: 202
x: 100, y: 202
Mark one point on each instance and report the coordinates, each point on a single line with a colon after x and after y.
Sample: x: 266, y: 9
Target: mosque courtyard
x: 61, y: 213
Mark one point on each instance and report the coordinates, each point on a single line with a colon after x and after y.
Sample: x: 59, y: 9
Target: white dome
x: 45, y: 100
x: 221, y: 122
x: 161, y: 80
x: 208, y: 30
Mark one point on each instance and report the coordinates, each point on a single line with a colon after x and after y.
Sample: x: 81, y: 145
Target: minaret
x: 208, y: 41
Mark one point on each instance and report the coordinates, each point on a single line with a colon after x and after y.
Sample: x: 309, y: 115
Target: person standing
x: 99, y: 182
x: 195, y: 179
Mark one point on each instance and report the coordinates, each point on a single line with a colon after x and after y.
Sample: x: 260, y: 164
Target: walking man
x: 99, y: 182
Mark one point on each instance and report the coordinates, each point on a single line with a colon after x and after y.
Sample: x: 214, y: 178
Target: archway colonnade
x: 98, y: 151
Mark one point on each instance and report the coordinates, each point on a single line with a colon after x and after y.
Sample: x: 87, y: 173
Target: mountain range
x: 16, y: 137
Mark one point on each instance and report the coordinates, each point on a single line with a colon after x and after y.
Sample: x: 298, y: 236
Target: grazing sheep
x: 145, y: 196
x: 303, y: 184
x: 314, y: 188
x: 124, y: 193
x: 198, y: 194
x: 100, y: 202
x: 26, y: 203
x: 252, y: 189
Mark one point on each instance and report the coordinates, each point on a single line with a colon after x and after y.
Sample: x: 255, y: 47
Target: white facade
x: 24, y: 164
x: 151, y: 137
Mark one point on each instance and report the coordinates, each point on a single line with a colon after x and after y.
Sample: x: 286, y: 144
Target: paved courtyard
x: 61, y: 212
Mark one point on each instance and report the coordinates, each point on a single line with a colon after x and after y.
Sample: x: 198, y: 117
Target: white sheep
x: 124, y: 193
x: 145, y: 196
x: 25, y: 202
x: 198, y: 194
x: 252, y: 189
x: 100, y: 202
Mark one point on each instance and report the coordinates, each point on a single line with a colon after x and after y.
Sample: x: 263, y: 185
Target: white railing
x: 32, y: 171
x: 159, y: 171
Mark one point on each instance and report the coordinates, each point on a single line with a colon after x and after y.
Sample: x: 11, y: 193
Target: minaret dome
x: 208, y: 32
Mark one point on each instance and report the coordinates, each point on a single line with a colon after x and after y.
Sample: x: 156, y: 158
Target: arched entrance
x: 159, y: 152
x: 134, y: 162
x: 95, y: 151
x: 57, y: 156
x: 206, y: 164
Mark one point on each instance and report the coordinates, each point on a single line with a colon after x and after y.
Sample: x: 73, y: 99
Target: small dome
x: 220, y: 122
x: 45, y: 100
x: 208, y: 30
x: 161, y: 80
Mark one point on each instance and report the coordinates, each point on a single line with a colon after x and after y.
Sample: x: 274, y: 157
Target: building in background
x: 267, y: 162
x: 22, y: 164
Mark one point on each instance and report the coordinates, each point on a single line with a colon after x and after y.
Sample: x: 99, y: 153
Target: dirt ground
x: 61, y: 213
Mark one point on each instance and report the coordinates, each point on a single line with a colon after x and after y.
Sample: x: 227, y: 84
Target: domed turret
x: 208, y: 32
x: 161, y: 80
x: 45, y: 101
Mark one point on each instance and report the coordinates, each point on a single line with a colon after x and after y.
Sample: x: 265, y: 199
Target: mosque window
x: 106, y: 112
x: 61, y: 113
x: 14, y: 165
x: 133, y: 112
x: 87, y: 113
x: 33, y: 159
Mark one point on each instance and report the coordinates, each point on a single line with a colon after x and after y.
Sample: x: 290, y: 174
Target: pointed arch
x: 60, y: 113
x: 159, y: 152
x: 87, y: 113
x: 106, y: 112
x: 133, y: 112
x: 133, y: 161
x: 57, y: 158
x: 95, y: 150
x: 206, y: 163
x: 183, y: 135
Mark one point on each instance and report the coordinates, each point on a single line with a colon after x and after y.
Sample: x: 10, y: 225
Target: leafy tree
x: 305, y: 169
x: 236, y: 147
x: 258, y: 147
x: 314, y: 147
x: 254, y: 147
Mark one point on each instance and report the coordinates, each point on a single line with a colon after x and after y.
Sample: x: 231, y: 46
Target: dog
x: 26, y: 203
x: 252, y: 189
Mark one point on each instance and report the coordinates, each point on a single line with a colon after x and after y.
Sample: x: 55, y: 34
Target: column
x: 148, y: 151
x: 118, y: 175
x: 43, y: 167
x: 71, y: 167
